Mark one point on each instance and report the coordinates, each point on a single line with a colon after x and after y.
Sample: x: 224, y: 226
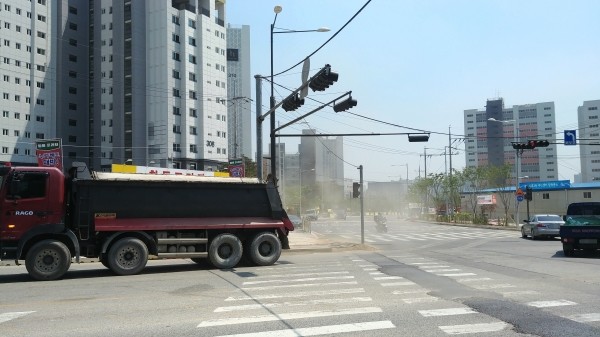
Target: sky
x: 418, y: 64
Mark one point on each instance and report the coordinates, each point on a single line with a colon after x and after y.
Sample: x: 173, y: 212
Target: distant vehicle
x: 296, y: 220
x: 311, y: 214
x: 542, y: 225
x: 380, y: 223
x: 340, y: 214
x: 582, y: 227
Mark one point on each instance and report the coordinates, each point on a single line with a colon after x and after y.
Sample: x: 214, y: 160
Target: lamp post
x: 277, y: 10
x: 516, y: 139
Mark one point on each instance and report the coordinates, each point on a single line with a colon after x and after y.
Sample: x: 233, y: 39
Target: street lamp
x: 277, y: 10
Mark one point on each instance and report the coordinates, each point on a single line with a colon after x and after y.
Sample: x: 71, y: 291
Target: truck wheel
x: 48, y: 260
x: 225, y: 251
x: 265, y: 249
x: 128, y: 256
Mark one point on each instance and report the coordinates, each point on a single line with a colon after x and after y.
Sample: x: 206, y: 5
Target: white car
x: 542, y: 225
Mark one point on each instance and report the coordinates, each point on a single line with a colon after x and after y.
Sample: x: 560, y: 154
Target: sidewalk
x: 304, y: 242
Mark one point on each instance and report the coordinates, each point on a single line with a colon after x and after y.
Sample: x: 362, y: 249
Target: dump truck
x: 581, y: 230
x: 48, y: 219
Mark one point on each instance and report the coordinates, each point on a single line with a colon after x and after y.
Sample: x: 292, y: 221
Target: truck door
x: 25, y: 204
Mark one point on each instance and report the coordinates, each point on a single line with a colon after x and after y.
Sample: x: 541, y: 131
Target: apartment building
x: 491, y: 132
x: 588, y: 116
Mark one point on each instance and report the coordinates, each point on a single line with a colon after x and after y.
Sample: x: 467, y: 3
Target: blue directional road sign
x: 520, y: 198
x: 570, y: 137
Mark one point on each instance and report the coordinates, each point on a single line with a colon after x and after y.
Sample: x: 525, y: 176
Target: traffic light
x: 528, y: 193
x: 522, y: 146
x: 345, y: 105
x: 538, y: 143
x: 324, y: 79
x: 292, y: 103
x: 355, y: 190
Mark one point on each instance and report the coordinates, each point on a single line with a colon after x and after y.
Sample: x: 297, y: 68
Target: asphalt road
x: 419, y: 280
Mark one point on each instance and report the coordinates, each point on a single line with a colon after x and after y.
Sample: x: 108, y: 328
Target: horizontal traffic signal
x: 522, y: 146
x: 324, y: 79
x: 292, y: 103
x: 538, y: 143
x: 345, y: 105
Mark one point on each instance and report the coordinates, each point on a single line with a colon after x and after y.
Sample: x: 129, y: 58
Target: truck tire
x: 225, y: 251
x: 48, y: 260
x: 128, y: 256
x: 265, y: 249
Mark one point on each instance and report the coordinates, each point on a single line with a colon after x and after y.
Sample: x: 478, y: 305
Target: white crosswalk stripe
x: 7, y: 316
x: 321, y: 330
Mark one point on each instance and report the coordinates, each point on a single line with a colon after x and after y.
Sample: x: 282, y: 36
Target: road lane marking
x: 393, y: 284
x: 440, y: 270
x: 476, y: 279
x: 321, y: 330
x: 546, y: 304
x: 414, y: 291
x: 447, y: 312
x: 433, y: 267
x: 387, y: 278
x: 301, y: 274
x: 288, y: 316
x: 271, y: 287
x: 7, y: 316
x: 426, y: 299
x: 422, y: 263
x: 299, y: 280
x: 292, y: 304
x: 519, y: 292
x: 458, y: 274
x: 582, y: 318
x: 494, y: 286
x: 473, y: 328
x: 293, y: 295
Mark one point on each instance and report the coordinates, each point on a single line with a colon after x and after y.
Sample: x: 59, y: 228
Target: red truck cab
x: 32, y: 200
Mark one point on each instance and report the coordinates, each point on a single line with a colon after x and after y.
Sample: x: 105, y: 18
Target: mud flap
x: 285, y: 242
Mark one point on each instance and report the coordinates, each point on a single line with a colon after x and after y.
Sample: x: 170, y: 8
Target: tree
x: 250, y: 167
x: 474, y: 181
x: 497, y: 177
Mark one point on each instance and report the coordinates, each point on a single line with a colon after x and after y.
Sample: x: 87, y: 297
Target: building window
x: 192, y: 23
x: 193, y: 113
x: 192, y: 58
x: 193, y: 148
x: 175, y: 20
x: 41, y: 18
x: 587, y: 195
x: 72, y: 58
x: 72, y: 10
x: 192, y: 41
x: 176, y: 111
x: 193, y: 130
x: 176, y: 147
x: 192, y: 94
x: 175, y: 38
x: 192, y: 77
x: 175, y: 56
x: 73, y: 90
x: 175, y: 74
x: 546, y: 196
x: 175, y: 92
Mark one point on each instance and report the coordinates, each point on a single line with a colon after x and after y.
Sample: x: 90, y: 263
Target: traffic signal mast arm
x: 294, y: 94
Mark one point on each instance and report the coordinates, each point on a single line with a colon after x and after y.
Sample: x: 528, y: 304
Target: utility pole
x: 259, y: 154
x: 450, y: 172
x: 362, y: 213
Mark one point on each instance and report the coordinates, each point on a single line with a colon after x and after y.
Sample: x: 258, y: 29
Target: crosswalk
x: 333, y: 299
x: 8, y: 316
x: 371, y: 237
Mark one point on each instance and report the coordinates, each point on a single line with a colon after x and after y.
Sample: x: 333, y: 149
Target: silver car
x: 542, y: 225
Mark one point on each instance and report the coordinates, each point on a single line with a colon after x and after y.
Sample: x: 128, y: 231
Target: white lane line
x: 298, y: 286
x: 582, y: 318
x: 433, y: 267
x: 473, y: 328
x: 446, y: 312
x: 494, y: 286
x: 292, y: 304
x: 288, y: 316
x: 404, y: 292
x: 307, y: 279
x: 546, y: 304
x: 476, y: 279
x: 458, y: 274
x: 388, y: 278
x: 427, y: 299
x: 519, y: 292
x: 376, y: 273
x: 294, y: 295
x: 285, y: 268
x: 7, y: 316
x: 301, y: 274
x: 422, y: 263
x: 440, y: 270
x: 320, y: 330
x: 369, y: 269
x: 393, y: 284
